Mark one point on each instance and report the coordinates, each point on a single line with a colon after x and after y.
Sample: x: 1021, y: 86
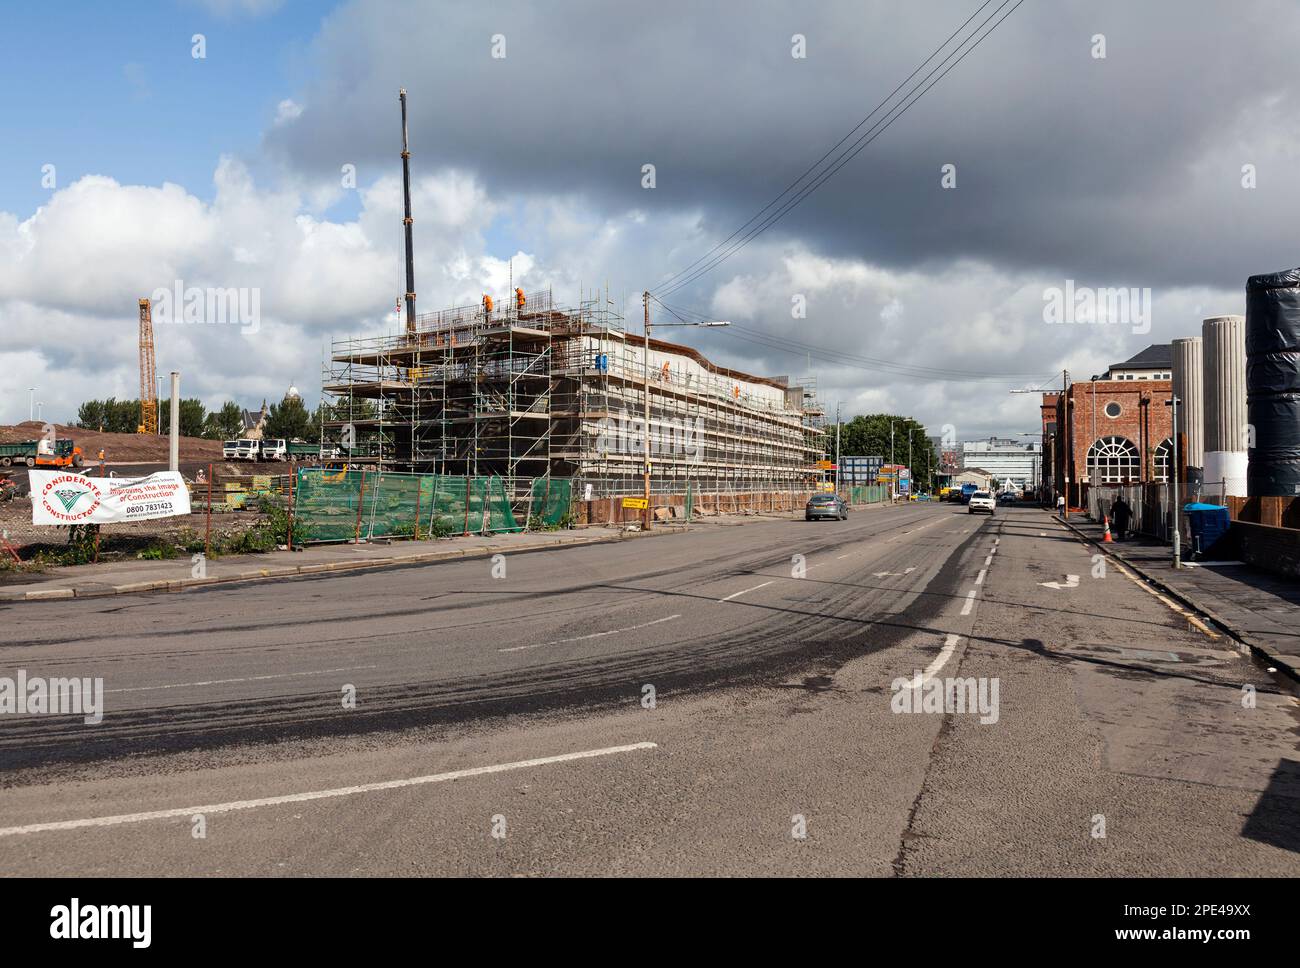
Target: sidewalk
x: 1260, y: 609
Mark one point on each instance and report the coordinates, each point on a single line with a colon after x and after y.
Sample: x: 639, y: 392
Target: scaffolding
x: 535, y: 391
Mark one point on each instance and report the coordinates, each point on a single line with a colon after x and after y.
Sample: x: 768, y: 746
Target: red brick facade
x: 1133, y: 411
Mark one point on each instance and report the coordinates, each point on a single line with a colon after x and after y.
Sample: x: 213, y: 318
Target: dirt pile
x: 117, y: 447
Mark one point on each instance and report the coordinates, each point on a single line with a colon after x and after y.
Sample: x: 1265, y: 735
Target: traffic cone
x: 1106, y: 538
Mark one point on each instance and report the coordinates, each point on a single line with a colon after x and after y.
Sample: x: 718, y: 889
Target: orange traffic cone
x: 1106, y: 538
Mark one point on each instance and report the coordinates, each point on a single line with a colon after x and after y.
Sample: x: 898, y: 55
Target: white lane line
x: 993, y: 550
x: 995, y: 542
x: 988, y: 561
x: 593, y: 635
x: 838, y: 557
x: 222, y: 682
x: 970, y: 602
x: 933, y: 668
x: 979, y: 579
x: 187, y: 812
x: 744, y: 591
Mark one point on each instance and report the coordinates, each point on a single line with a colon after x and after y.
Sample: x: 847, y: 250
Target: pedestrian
x: 1122, y: 514
x: 1060, y: 504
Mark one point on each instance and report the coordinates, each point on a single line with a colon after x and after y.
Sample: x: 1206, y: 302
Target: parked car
x: 1008, y: 497
x: 981, y: 501
x: 825, y: 506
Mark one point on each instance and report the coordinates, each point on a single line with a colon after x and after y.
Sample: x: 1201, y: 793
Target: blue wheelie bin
x: 1208, y: 524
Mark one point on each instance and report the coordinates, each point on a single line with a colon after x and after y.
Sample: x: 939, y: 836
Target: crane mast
x: 148, y: 374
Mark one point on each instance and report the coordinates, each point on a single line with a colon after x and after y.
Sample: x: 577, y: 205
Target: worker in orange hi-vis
x: 487, y: 304
x: 519, y: 299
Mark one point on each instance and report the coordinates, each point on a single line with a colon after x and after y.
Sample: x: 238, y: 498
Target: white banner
x: 63, y: 498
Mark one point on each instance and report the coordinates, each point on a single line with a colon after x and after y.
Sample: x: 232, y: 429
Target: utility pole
x: 645, y: 426
x: 1178, y: 531
x: 1069, y: 439
x: 893, y: 467
x: 645, y: 376
x: 837, y: 448
x: 174, y: 452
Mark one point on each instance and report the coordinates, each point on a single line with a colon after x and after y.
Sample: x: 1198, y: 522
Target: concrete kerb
x: 1264, y: 654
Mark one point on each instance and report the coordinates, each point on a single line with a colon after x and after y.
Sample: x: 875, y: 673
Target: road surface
x: 724, y: 701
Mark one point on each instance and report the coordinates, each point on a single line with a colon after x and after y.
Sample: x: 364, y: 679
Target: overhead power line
x: 710, y: 261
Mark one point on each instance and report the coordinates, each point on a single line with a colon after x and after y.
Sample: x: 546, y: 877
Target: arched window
x: 1113, y: 460
x: 1164, y: 459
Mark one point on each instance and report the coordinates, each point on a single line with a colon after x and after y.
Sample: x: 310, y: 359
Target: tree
x: 226, y: 423
x: 193, y: 415
x: 90, y: 415
x: 869, y: 435
x: 287, y: 419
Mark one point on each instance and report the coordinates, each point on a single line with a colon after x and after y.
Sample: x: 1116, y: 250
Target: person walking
x: 1123, y: 515
x: 1060, y: 504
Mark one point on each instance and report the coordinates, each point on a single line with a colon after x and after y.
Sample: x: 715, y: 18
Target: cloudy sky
x: 1107, y: 143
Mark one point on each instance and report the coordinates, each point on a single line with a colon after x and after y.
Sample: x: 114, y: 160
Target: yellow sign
x: 825, y: 465
x: 639, y: 503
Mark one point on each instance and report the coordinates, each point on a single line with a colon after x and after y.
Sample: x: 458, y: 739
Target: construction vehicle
x: 148, y: 374
x: 41, y: 453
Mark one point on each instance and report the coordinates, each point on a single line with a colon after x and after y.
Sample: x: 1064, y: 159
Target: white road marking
x: 988, y: 561
x: 222, y: 682
x: 1071, y: 581
x: 979, y: 579
x: 593, y: 635
x: 995, y: 542
x: 188, y: 812
x: 744, y: 591
x: 838, y: 557
x: 933, y: 668
x: 970, y: 602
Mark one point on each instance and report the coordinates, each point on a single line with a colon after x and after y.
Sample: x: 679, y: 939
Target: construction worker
x: 519, y: 299
x: 487, y: 304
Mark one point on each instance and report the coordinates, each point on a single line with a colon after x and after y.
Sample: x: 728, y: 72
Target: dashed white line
x: 988, y: 561
x: 593, y: 635
x: 970, y: 602
x: 979, y: 579
x: 115, y: 820
x: 744, y: 591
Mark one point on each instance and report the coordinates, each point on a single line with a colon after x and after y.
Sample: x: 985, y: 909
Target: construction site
x: 532, y: 390
x: 538, y: 391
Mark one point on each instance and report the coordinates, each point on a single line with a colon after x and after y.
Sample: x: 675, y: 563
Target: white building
x: 1005, y: 460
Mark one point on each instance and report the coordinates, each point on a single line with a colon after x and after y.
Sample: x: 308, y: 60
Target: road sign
x: 639, y: 503
x: 825, y: 465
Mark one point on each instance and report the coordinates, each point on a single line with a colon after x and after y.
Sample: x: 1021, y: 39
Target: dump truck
x: 41, y: 453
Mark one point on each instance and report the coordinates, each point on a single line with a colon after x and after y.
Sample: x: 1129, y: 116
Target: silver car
x: 825, y: 506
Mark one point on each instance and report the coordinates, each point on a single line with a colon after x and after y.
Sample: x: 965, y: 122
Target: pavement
x: 729, y: 700
x: 1258, y: 608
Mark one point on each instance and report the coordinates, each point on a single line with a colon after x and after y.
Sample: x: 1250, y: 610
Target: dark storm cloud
x: 1120, y: 170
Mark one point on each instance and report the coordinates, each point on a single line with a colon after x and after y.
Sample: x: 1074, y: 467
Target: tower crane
x: 148, y: 374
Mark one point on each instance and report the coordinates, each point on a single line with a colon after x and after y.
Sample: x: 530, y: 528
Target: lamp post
x: 1173, y: 402
x: 645, y: 374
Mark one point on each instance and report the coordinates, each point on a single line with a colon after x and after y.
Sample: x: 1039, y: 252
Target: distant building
x: 1005, y: 459
x: 1114, y: 428
x: 254, y: 422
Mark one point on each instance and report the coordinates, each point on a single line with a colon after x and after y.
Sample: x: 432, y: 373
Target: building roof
x: 1155, y: 356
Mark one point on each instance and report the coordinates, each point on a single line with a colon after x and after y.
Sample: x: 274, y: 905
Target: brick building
x: 1117, y: 428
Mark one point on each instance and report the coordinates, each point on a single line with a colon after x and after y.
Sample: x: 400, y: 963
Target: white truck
x: 275, y: 449
x: 241, y: 449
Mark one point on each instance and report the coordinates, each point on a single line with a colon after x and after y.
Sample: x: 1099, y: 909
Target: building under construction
x: 531, y: 390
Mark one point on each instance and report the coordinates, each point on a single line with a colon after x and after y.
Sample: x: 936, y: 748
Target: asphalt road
x: 503, y: 721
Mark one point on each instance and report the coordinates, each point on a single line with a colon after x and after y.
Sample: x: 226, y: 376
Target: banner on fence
x: 61, y: 498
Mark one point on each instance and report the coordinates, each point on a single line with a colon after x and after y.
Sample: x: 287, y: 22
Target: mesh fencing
x: 355, y: 505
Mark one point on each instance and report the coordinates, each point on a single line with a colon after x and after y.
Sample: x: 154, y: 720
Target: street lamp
x: 1173, y: 402
x: 645, y: 368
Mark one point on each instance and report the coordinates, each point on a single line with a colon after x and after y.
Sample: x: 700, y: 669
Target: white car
x: 981, y: 501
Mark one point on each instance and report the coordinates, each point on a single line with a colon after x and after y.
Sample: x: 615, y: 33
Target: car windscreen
x: 823, y: 499
x: 980, y: 494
